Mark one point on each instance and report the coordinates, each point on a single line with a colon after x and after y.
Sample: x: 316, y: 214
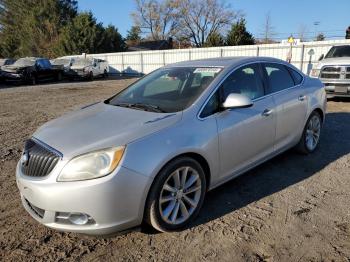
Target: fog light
x: 78, y: 218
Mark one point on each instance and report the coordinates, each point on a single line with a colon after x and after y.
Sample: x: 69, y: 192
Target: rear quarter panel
x: 316, y: 94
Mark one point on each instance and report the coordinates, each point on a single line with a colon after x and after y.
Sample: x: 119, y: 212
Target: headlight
x: 315, y: 72
x: 92, y: 165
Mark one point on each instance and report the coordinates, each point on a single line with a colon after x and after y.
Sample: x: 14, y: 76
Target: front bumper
x: 12, y: 76
x: 114, y: 202
x: 77, y: 74
x: 336, y: 87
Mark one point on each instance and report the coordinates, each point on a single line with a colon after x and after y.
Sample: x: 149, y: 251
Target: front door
x: 246, y: 135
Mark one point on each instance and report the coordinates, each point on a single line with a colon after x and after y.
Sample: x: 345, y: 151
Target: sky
x: 287, y: 17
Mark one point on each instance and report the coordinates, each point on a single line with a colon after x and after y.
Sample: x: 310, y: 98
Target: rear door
x: 290, y: 100
x: 246, y: 135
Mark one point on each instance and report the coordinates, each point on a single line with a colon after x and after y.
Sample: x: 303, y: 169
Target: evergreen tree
x: 112, y: 41
x: 52, y: 28
x: 238, y: 35
x: 214, y: 39
x: 82, y: 35
x: 32, y: 27
x: 134, y: 34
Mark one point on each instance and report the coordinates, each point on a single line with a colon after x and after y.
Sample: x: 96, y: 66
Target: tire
x: 59, y: 76
x: 90, y: 77
x: 170, y: 215
x: 33, y: 80
x: 304, y: 145
x: 105, y: 74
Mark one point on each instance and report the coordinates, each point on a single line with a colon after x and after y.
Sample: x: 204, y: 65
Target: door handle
x: 301, y: 98
x: 266, y: 112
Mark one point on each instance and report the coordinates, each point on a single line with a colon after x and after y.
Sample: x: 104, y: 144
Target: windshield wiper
x: 146, y: 107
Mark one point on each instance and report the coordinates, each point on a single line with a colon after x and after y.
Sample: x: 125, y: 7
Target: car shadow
x: 278, y: 173
x: 339, y: 99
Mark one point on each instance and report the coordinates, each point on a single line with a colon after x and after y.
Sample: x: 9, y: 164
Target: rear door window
x: 278, y: 77
x: 297, y: 77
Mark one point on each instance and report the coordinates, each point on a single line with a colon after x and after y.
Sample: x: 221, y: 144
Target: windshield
x: 60, y: 61
x: 167, y: 89
x: 339, y: 51
x: 82, y: 62
x: 25, y: 62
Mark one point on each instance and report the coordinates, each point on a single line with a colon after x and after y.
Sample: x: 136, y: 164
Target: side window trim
x: 264, y: 79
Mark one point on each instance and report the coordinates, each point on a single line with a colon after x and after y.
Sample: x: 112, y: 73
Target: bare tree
x: 199, y: 19
x: 268, y: 31
x: 156, y: 18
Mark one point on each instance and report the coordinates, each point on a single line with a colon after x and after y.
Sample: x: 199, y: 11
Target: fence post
x: 189, y: 54
x: 163, y: 58
x: 302, y: 57
x: 221, y: 52
x: 141, y: 58
x: 257, y: 50
x: 123, y: 65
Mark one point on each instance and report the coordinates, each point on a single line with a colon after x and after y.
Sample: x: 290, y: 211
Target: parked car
x: 334, y: 71
x: 151, y: 152
x: 63, y: 63
x: 88, y: 68
x: 3, y: 62
x: 31, y: 70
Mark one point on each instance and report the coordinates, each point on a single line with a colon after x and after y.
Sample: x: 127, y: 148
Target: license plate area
x: 341, y: 89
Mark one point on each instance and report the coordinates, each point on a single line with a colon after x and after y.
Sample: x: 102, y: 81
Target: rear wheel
x: 176, y: 195
x: 311, y: 134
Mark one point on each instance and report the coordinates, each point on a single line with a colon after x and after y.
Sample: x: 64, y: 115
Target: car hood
x: 13, y: 68
x: 80, y: 67
x: 334, y: 61
x: 101, y: 126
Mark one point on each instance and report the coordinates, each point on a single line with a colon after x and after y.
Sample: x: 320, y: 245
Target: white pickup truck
x: 333, y: 70
x: 88, y: 68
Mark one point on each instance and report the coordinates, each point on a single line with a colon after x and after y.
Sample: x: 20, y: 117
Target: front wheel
x: 176, y: 195
x: 105, y: 74
x: 33, y: 80
x: 311, y: 134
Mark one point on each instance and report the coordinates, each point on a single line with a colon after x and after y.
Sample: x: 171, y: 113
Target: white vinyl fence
x: 146, y: 61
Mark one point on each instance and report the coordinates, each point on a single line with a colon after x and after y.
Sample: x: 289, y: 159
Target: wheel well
x: 201, y: 160
x: 318, y: 110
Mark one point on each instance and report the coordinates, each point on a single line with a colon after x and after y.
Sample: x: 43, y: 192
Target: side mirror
x: 321, y: 57
x: 95, y: 64
x: 237, y: 101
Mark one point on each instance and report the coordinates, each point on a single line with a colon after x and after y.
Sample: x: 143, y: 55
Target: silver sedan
x: 152, y: 152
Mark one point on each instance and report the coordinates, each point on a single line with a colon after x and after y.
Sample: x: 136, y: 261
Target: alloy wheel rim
x: 313, y: 133
x: 180, y: 195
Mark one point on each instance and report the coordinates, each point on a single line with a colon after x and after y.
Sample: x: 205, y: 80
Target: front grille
x: 331, y: 69
x: 38, y: 160
x: 37, y: 211
x: 330, y: 76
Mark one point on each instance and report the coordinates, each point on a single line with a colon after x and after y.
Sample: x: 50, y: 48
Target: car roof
x: 225, y: 62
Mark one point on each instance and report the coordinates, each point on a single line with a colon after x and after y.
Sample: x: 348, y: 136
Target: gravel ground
x: 292, y: 208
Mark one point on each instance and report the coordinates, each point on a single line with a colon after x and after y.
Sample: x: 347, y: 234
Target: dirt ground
x: 292, y: 208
